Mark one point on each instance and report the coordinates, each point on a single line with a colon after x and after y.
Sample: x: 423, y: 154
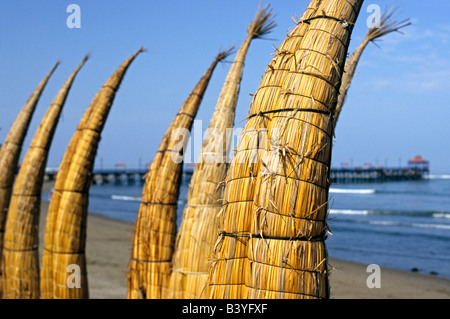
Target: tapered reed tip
x: 263, y: 23
x: 225, y: 53
x: 387, y: 25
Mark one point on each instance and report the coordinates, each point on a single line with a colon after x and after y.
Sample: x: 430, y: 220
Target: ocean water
x: 402, y: 225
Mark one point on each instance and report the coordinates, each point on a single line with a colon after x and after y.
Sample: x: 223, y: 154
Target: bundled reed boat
x: 272, y: 225
x: 20, y: 251
x: 198, y: 230
x: 65, y: 228
x: 155, y: 229
x: 10, y: 153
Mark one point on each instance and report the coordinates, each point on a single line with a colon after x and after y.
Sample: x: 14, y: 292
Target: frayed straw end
x: 387, y: 25
x: 86, y: 57
x: 225, y: 53
x: 142, y: 50
x: 262, y: 24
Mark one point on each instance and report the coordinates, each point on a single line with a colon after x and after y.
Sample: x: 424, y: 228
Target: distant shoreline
x: 108, y: 251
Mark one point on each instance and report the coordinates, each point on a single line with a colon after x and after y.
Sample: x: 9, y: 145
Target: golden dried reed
x: 20, y: 254
x: 65, y: 229
x: 386, y: 26
x: 198, y: 230
x: 10, y: 153
x: 273, y: 219
x: 155, y: 229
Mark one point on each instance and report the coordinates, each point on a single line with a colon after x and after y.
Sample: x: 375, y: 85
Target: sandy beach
x: 109, y: 246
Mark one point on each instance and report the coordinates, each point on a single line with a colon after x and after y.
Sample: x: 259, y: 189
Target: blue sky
x: 397, y: 106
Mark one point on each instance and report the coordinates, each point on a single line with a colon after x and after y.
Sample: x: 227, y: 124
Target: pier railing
x: 133, y: 176
x: 115, y: 176
x: 376, y: 174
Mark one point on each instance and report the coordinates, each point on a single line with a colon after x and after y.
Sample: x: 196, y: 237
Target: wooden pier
x: 110, y: 176
x: 373, y: 174
x: 417, y: 169
x: 337, y: 175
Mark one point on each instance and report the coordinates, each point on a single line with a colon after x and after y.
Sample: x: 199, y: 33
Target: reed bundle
x: 65, y: 229
x: 155, y: 229
x: 272, y: 225
x: 10, y: 153
x: 387, y: 25
x: 20, y: 254
x: 198, y: 230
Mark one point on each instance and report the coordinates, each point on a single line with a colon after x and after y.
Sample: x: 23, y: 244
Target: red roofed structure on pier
x: 419, y: 163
